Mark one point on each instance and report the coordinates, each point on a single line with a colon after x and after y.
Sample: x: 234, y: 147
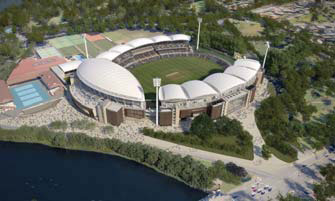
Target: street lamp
x: 266, y: 52
x: 199, y: 20
x: 157, y: 84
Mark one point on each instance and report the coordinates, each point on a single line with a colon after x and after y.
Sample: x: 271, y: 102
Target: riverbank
x: 38, y: 172
x: 184, y: 169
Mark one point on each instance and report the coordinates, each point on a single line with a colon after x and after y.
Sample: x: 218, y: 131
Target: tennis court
x: 46, y: 52
x: 66, y: 41
x: 29, y: 94
x: 69, y: 51
x: 92, y: 50
x: 104, y: 44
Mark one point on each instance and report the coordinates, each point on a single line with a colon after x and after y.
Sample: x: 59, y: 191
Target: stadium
x: 106, y: 89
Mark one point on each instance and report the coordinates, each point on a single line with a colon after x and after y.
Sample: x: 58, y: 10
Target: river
x: 35, y: 172
x: 6, y: 3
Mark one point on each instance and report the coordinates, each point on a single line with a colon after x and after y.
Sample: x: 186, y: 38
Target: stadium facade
x: 104, y: 89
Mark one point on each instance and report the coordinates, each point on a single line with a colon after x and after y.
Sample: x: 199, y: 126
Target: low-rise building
x: 6, y: 98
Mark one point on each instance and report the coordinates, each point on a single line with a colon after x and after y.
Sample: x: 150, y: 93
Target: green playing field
x: 174, y: 71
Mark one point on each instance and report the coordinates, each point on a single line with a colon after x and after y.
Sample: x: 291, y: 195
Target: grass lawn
x: 301, y: 19
x: 56, y: 20
x: 281, y: 156
x: 260, y: 46
x: 248, y: 28
x: 323, y: 103
x: 203, y: 145
x: 174, y: 71
x: 226, y: 187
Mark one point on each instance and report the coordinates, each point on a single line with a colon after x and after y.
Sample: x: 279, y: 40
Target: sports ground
x: 174, y: 71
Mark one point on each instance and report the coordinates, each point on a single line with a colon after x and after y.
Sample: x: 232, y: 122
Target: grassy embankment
x: 226, y: 145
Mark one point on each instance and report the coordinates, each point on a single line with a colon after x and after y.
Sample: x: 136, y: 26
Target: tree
x: 288, y: 197
x: 202, y: 126
x: 236, y: 170
x: 325, y: 189
x: 266, y: 152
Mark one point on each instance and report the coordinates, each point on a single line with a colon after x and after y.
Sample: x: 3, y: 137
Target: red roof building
x: 31, y: 68
x: 5, y: 95
x: 50, y: 80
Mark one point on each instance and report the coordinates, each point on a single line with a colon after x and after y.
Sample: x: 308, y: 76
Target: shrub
x: 236, y: 170
x: 83, y: 124
x: 266, y: 152
x: 59, y: 125
x: 203, y: 126
x: 108, y: 129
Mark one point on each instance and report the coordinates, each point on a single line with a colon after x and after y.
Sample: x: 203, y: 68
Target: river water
x: 35, y: 172
x: 6, y: 3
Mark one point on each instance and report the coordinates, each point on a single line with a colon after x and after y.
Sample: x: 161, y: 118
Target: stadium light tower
x: 157, y: 84
x: 266, y: 52
x: 199, y: 20
x: 85, y: 42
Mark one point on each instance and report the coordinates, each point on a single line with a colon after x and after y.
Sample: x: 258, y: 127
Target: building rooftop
x: 5, y: 95
x: 50, y: 80
x: 31, y: 68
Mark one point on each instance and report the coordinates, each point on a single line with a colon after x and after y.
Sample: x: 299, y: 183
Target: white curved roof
x: 69, y: 66
x: 243, y: 73
x: 172, y: 92
x: 140, y: 42
x: 121, y: 48
x: 110, y: 78
x: 110, y: 55
x: 196, y: 89
x: 248, y: 63
x: 222, y: 82
x: 177, y: 37
x: 161, y: 38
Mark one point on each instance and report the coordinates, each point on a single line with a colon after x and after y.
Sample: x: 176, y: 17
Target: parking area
x: 29, y: 94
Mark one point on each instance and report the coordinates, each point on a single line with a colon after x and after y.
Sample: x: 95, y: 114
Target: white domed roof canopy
x: 222, y: 82
x: 110, y: 78
x: 121, y: 48
x: 161, y: 38
x: 172, y: 92
x: 248, y: 63
x: 110, y: 55
x: 197, y: 89
x: 140, y: 42
x: 243, y: 73
x: 178, y: 37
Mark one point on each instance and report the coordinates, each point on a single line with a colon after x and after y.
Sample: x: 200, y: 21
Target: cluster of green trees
x: 204, y: 127
x: 10, y: 51
x: 278, y: 117
x: 186, y: 169
x: 99, y: 16
x: 204, y: 133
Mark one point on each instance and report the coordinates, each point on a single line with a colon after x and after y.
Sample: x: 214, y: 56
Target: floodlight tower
x: 266, y: 53
x: 85, y: 42
x: 157, y: 84
x: 199, y: 20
